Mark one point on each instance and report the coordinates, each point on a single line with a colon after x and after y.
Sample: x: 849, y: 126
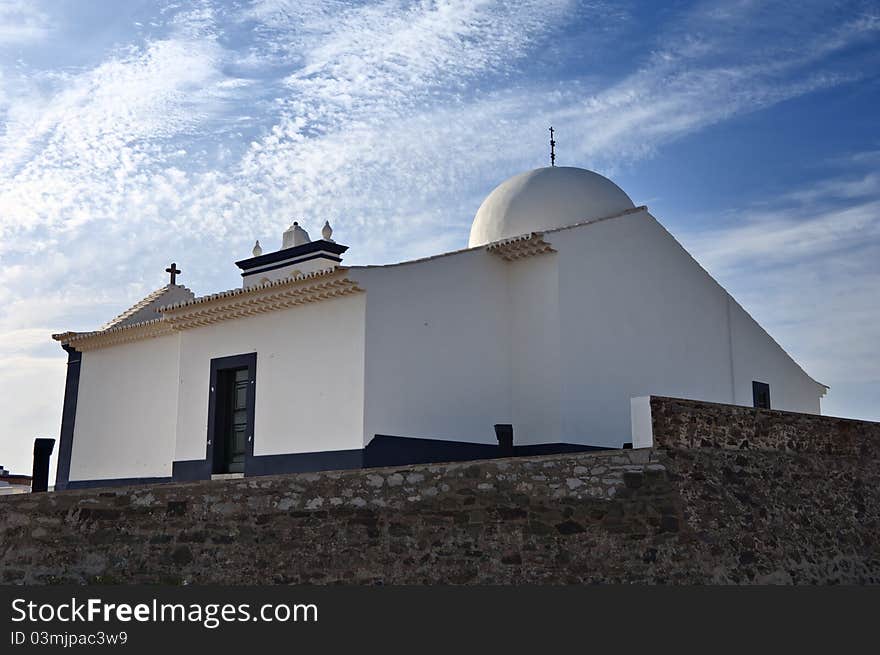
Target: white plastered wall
x: 640, y: 317
x: 640, y: 420
x: 758, y: 357
x: 534, y: 349
x: 438, y: 349
x: 126, y: 411
x: 310, y: 377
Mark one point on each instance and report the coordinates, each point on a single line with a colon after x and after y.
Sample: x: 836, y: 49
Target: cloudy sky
x: 137, y: 133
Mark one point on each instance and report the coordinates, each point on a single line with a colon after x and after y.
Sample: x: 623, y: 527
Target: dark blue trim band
x: 328, y: 460
x: 68, y: 417
x: 191, y: 469
x: 291, y: 253
x: 385, y: 450
x: 290, y: 263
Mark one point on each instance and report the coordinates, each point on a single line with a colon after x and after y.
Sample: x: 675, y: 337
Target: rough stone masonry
x: 728, y: 495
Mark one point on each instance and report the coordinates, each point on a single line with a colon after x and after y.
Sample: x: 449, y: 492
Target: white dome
x: 543, y: 199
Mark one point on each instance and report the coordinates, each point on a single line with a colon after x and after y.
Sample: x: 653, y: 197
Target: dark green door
x: 237, y: 420
x: 231, y: 403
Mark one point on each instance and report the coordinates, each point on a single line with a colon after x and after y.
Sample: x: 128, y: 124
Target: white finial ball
x: 327, y: 231
x: 257, y: 249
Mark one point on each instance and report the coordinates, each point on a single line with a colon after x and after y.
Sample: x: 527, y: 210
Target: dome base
x: 544, y: 199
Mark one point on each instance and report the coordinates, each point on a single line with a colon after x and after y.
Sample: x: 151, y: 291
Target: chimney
x: 40, y: 476
x: 299, y: 255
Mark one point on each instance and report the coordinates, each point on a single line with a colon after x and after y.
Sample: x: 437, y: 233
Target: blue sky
x: 137, y: 133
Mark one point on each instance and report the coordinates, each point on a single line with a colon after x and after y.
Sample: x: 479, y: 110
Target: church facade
x: 568, y: 303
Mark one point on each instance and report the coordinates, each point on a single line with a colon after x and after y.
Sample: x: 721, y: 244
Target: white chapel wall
x: 534, y: 349
x: 310, y: 377
x: 437, y: 348
x: 640, y: 317
x: 756, y: 356
x: 635, y: 321
x: 126, y: 411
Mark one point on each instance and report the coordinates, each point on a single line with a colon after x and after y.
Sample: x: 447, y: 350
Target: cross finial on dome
x: 552, y: 148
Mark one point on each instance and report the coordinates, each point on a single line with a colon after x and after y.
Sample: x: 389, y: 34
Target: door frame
x: 218, y: 364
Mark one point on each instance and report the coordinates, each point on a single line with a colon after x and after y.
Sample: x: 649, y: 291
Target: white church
x: 568, y: 303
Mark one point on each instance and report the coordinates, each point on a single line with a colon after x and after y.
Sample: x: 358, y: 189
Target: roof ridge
x: 141, y: 304
x: 504, y: 241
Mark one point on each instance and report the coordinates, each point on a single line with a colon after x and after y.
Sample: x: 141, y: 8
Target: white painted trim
x: 642, y: 430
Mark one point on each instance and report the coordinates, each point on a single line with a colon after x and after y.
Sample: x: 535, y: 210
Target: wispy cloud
x: 766, y: 238
x: 806, y: 266
x: 378, y: 111
x: 22, y: 22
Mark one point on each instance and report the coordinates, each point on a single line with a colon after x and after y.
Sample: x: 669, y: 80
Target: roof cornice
x: 228, y: 305
x: 240, y: 303
x: 114, y: 336
x: 527, y: 245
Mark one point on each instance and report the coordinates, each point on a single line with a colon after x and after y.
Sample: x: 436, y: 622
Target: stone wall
x: 679, y: 423
x: 730, y: 495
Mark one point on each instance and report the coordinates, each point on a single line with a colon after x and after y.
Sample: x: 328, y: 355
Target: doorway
x: 231, y: 413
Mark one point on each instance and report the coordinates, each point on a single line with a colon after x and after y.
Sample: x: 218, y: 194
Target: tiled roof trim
x: 83, y: 341
x: 258, y: 300
x: 326, y: 272
x: 236, y: 303
x: 527, y: 245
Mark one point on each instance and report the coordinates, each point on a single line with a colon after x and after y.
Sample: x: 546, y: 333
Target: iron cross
x: 552, y: 148
x: 174, y: 271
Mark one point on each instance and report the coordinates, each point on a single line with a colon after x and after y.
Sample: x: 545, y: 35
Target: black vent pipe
x: 504, y: 433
